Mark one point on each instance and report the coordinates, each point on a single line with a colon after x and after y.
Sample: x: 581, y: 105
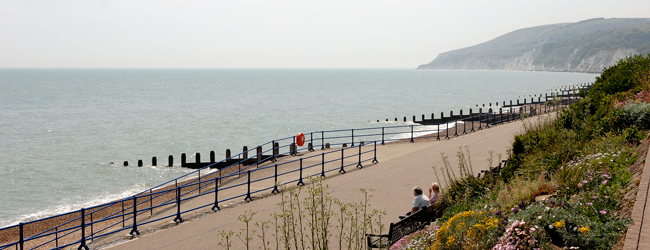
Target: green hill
x: 585, y: 46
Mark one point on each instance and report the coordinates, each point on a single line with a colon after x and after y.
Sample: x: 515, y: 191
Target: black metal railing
x: 101, y: 220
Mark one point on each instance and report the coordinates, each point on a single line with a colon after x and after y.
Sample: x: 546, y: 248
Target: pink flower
x: 594, y: 197
x: 585, y: 182
x: 591, y: 179
x: 589, y: 203
x: 603, y: 212
x: 579, y: 184
x: 605, y: 182
x: 532, y: 229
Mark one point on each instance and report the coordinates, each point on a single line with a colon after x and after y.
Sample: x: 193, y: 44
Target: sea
x: 64, y: 133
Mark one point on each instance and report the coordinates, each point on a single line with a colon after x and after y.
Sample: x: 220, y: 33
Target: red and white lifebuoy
x: 300, y: 139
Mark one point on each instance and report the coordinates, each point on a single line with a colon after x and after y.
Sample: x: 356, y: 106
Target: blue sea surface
x: 61, y: 128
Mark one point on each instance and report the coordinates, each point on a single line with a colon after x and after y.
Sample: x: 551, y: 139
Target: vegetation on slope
x: 570, y: 182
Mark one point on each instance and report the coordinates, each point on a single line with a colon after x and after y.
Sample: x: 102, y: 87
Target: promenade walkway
x: 401, y: 167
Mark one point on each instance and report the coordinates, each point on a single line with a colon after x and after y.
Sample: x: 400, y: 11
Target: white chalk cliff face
x: 586, y: 46
x: 595, y: 63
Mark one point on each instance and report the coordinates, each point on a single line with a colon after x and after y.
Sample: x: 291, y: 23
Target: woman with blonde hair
x: 435, y: 188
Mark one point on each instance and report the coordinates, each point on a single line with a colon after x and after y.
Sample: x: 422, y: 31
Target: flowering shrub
x: 630, y: 97
x: 518, y: 236
x: 467, y: 230
x: 422, y: 239
x: 564, y: 224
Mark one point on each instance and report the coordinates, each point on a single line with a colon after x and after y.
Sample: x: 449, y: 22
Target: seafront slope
x: 401, y: 166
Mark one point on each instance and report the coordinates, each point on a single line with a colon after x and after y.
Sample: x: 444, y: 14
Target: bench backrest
x: 406, y: 226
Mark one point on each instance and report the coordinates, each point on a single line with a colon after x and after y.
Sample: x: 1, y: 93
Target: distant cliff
x: 586, y: 46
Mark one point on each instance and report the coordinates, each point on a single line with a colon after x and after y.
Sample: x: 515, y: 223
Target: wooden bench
x: 404, y: 227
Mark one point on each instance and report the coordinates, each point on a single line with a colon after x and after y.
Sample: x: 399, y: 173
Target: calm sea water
x: 60, y: 128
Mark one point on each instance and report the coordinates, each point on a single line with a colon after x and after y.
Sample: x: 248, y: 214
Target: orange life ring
x: 300, y: 139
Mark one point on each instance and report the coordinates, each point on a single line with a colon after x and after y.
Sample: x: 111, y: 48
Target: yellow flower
x: 584, y: 229
x: 559, y: 224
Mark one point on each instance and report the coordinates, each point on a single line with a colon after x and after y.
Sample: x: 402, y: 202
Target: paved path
x: 401, y: 167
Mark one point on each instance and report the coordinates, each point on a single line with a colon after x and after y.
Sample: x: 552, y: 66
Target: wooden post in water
x: 245, y: 153
x: 212, y: 157
x: 259, y: 153
x: 154, y: 161
x: 170, y: 160
x: 126, y: 163
x: 183, y: 159
x: 140, y: 163
x: 228, y: 154
x: 198, y: 157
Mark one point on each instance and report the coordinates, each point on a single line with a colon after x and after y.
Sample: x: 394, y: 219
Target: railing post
x: 352, y: 144
x: 216, y: 195
x: 411, y: 133
x: 447, y: 130
x: 342, y: 170
x: 359, y: 164
x: 471, y: 117
x: 300, y: 183
x: 322, y: 163
x: 462, y: 120
x: 275, y: 183
x: 248, y: 193
x: 311, y: 144
x: 487, y: 124
x: 382, y: 136
x: 322, y: 140
x: 438, y: 133
x: 56, y: 237
x: 374, y: 160
x: 273, y: 151
x: 21, y: 240
x: 197, y: 183
x: 501, y: 115
x: 257, y: 158
x: 135, y: 219
x: 178, y: 218
x: 480, y: 118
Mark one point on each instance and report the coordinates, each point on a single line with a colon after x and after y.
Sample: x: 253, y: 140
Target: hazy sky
x: 270, y: 33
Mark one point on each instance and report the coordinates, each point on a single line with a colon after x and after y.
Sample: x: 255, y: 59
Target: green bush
x: 637, y: 114
x: 621, y: 77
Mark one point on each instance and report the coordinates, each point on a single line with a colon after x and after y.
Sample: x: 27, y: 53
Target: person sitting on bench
x: 420, y: 201
x: 434, y: 191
